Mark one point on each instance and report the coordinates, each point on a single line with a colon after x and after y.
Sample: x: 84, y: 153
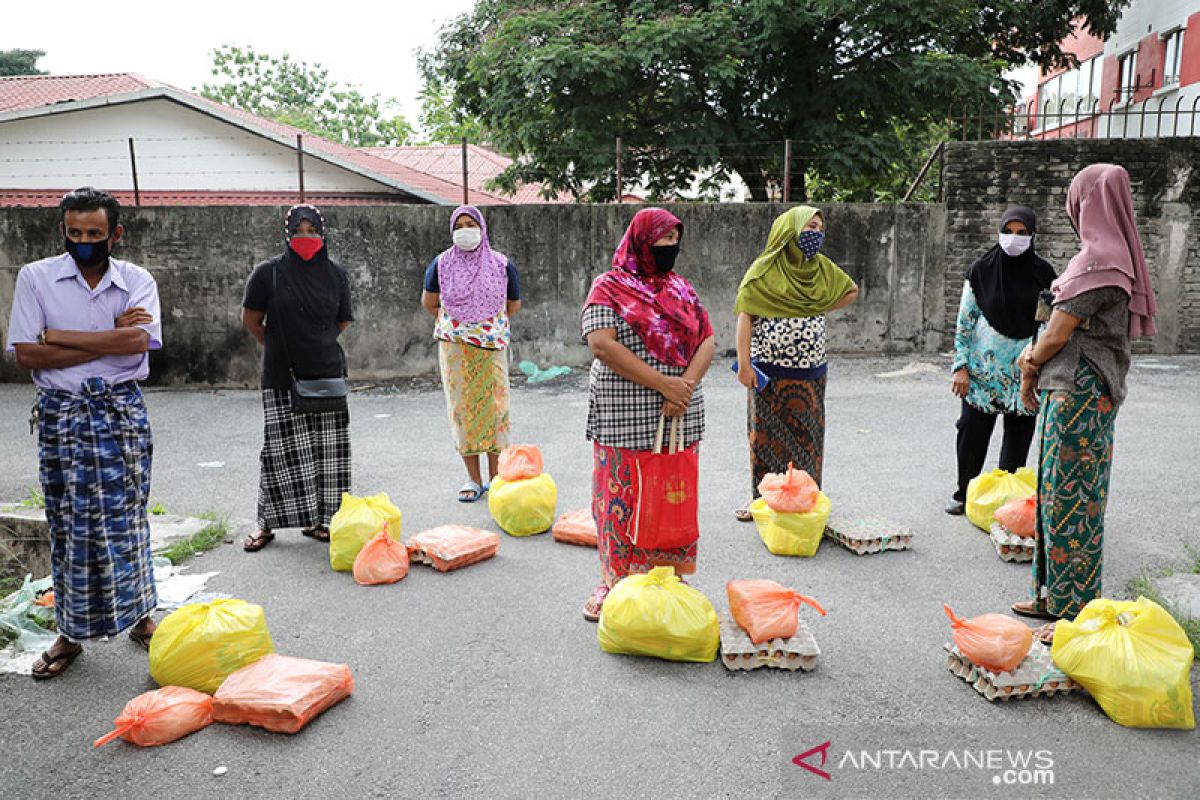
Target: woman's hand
x: 670, y: 409
x: 1029, y: 390
x: 960, y: 383
x: 677, y: 390
x: 1026, y: 365
x: 746, y: 376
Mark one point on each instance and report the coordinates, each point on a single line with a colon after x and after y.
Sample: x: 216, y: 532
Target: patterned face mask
x: 810, y: 242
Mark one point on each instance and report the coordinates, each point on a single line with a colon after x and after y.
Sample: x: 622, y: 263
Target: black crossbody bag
x: 311, y: 395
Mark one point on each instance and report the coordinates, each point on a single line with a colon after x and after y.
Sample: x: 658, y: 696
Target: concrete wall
x: 201, y: 258
x: 981, y: 180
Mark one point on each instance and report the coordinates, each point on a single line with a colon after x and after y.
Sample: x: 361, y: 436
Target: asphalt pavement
x: 487, y: 682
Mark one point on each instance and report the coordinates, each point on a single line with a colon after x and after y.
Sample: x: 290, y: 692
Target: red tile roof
x: 444, y: 161
x: 31, y: 91
x: 42, y: 198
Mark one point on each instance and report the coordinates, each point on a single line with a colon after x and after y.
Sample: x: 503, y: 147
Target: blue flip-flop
x: 470, y: 492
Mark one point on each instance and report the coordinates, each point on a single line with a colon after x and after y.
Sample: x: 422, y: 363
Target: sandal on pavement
x: 743, y: 514
x: 142, y: 638
x: 320, y: 534
x: 1029, y: 608
x: 1045, y: 634
x: 258, y: 541
x: 470, y: 492
x: 64, y: 659
x: 591, y: 609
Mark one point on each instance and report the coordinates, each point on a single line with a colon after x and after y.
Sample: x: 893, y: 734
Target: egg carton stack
x: 798, y: 652
x: 452, y: 547
x: 1035, y: 676
x: 1009, y: 546
x: 867, y: 535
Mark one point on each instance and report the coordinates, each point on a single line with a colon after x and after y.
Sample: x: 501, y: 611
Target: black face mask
x: 88, y: 254
x: 664, y: 257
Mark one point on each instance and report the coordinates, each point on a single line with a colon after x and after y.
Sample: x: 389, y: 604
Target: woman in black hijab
x: 296, y: 305
x: 995, y: 322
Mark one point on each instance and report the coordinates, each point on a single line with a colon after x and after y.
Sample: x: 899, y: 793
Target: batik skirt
x: 475, y: 380
x: 94, y: 452
x: 1076, y: 433
x: 614, y: 501
x: 305, y: 464
x: 786, y: 422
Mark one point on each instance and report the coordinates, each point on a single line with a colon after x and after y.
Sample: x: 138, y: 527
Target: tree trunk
x: 752, y: 174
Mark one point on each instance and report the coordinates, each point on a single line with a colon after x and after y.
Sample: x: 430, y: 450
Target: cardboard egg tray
x: 1035, y: 676
x: 739, y: 653
x: 452, y: 547
x: 1009, y: 546
x: 867, y: 535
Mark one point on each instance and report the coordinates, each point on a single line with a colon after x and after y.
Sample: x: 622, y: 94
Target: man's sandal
x: 320, y: 534
x: 64, y: 658
x: 142, y: 639
x: 258, y: 541
x: 470, y: 492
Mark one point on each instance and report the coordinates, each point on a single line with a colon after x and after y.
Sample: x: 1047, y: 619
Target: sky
x: 373, y: 45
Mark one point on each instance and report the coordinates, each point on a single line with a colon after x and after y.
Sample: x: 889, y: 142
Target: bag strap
x: 674, y: 438
x: 662, y: 418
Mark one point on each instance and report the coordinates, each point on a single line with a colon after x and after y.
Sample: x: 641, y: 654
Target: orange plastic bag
x: 576, y: 527
x: 765, y: 609
x: 520, y: 461
x: 991, y: 641
x: 161, y: 716
x: 789, y: 492
x: 451, y: 547
x: 281, y: 693
x: 1019, y: 516
x: 381, y: 560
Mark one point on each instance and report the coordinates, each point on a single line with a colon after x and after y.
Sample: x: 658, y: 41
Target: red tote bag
x: 667, y: 496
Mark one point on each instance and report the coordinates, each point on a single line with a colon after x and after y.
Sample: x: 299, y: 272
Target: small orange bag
x: 789, y: 492
x: 450, y: 547
x: 381, y: 560
x: 1019, y: 516
x: 991, y: 641
x: 576, y: 527
x: 765, y: 609
x: 161, y: 716
x: 520, y: 461
x: 281, y: 693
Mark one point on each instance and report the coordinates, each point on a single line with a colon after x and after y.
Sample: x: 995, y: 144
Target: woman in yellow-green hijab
x: 781, y: 306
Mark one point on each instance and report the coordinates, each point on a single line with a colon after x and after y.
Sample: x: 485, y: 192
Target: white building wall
x: 177, y: 147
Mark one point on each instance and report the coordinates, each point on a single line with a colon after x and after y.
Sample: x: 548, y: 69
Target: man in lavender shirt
x: 83, y: 323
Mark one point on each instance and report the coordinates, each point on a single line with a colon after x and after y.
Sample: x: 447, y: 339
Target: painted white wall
x: 178, y: 148
x: 1144, y: 17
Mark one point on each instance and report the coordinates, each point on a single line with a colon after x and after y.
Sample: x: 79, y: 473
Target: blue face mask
x: 89, y: 254
x: 810, y: 242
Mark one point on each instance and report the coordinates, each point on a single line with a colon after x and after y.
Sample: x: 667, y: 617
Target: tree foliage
x: 302, y: 94
x: 717, y: 86
x: 20, y: 62
x: 441, y: 122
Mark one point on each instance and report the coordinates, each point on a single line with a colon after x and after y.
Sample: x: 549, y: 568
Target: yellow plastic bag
x: 201, y: 644
x: 356, y: 521
x: 1134, y: 658
x: 524, y: 507
x: 989, y: 491
x: 656, y: 615
x: 791, y: 534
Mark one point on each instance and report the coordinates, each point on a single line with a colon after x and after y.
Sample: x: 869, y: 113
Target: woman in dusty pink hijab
x: 1076, y: 370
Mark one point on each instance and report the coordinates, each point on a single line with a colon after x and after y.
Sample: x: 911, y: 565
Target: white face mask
x: 468, y: 238
x: 1014, y: 243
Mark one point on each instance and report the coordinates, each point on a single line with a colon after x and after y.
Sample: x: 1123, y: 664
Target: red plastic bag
x: 991, y: 641
x: 520, y: 461
x: 576, y: 527
x: 450, y: 547
x: 281, y: 693
x: 789, y: 492
x: 381, y: 560
x: 161, y: 716
x: 666, y: 486
x: 765, y: 609
x: 1019, y: 516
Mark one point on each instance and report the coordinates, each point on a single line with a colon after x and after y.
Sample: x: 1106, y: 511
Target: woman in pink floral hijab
x: 1075, y: 369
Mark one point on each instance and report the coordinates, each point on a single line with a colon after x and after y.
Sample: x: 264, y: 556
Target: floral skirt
x: 475, y: 380
x: 786, y: 423
x: 614, y: 500
x: 1076, y: 432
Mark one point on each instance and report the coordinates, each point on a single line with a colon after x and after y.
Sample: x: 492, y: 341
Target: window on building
x: 1127, y: 82
x: 1172, y: 51
x: 1069, y: 96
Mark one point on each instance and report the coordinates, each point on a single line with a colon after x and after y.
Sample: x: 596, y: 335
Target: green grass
x: 1143, y: 586
x: 35, y: 499
x: 201, y: 542
x: 157, y: 509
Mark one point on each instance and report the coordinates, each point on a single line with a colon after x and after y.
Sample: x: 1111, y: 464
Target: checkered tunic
x: 625, y: 414
x: 305, y: 464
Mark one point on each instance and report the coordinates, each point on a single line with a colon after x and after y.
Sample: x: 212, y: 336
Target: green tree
x: 717, y: 86
x: 302, y: 94
x: 441, y: 122
x: 20, y: 62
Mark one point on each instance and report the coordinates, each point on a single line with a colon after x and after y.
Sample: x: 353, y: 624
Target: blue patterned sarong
x: 94, y: 449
